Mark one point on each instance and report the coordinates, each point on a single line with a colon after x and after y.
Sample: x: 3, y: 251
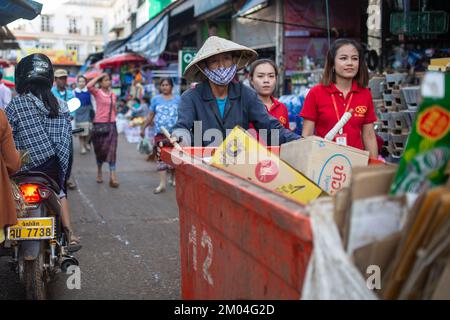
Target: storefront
x: 413, y: 32
x: 255, y: 26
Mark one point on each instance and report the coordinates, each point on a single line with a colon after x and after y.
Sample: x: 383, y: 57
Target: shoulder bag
x: 103, y: 128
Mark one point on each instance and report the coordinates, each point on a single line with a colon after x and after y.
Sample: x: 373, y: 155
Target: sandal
x: 71, y: 185
x: 113, y: 184
x: 159, y: 189
x: 74, y: 241
x: 99, y: 179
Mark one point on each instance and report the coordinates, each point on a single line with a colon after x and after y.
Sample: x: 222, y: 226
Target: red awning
x: 118, y: 60
x: 8, y: 83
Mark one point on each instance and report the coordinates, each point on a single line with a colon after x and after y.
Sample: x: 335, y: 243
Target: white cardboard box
x: 326, y: 163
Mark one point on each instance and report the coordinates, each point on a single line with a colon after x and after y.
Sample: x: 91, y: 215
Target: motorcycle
x: 38, y: 244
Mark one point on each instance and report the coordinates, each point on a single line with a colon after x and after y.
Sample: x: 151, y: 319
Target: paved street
x: 130, y: 236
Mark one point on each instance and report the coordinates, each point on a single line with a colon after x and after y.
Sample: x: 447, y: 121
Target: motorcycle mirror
x: 73, y: 104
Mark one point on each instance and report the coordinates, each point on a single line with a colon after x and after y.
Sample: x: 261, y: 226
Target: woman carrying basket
x: 104, y: 133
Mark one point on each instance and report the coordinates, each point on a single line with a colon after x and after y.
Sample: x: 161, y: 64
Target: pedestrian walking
x: 163, y: 113
x: 61, y: 91
x: 104, y: 132
x: 84, y: 115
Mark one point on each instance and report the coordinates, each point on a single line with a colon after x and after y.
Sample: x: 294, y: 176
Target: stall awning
x: 7, y: 39
x: 251, y: 6
x: 120, y: 59
x: 149, y: 40
x: 8, y: 83
x: 11, y: 10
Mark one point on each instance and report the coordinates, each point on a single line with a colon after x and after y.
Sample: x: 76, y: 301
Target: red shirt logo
x: 360, y: 111
x: 266, y: 171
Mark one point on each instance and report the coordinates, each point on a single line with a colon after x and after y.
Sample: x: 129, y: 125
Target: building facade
x: 66, y: 31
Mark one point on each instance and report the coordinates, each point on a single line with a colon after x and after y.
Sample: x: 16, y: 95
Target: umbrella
x: 11, y: 10
x: 71, y: 80
x: 8, y: 83
x: 120, y: 59
x: 92, y: 74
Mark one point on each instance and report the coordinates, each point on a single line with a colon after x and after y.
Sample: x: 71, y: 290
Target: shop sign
x: 57, y: 57
x: 156, y: 6
x: 184, y: 58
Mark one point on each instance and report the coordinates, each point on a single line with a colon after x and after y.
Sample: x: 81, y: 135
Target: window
x: 98, y: 29
x: 45, y: 23
x: 45, y: 46
x: 74, y: 47
x: 73, y: 25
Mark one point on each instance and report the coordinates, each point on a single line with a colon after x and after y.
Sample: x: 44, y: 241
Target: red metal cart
x: 237, y: 240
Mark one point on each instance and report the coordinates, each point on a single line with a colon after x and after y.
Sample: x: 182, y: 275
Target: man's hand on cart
x: 169, y: 141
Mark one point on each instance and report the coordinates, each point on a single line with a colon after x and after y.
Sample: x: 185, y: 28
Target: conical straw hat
x: 216, y: 45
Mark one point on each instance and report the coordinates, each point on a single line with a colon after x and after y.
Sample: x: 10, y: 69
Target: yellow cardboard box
x: 243, y: 155
x: 326, y: 163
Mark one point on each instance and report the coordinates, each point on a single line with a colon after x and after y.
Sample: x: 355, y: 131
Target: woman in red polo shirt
x: 343, y: 88
x: 263, y: 78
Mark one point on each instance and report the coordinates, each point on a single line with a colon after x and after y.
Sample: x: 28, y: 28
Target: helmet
x: 36, y: 67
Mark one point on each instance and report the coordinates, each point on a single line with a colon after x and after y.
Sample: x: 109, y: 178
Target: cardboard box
x: 242, y: 155
x: 326, y: 163
x: 442, y: 291
x: 379, y: 253
x: 439, y: 64
x: 366, y: 182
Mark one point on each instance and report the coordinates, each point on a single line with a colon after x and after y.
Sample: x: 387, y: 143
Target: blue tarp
x: 11, y: 10
x: 149, y: 40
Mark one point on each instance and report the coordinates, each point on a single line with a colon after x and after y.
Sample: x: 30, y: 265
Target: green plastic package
x: 427, y: 151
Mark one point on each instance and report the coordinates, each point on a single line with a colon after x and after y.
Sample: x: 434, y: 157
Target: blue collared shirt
x: 64, y: 95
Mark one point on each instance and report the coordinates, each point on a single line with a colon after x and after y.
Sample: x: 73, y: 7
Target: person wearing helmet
x: 41, y: 125
x: 218, y: 102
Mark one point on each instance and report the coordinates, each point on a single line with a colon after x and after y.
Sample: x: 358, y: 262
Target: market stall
x: 267, y: 224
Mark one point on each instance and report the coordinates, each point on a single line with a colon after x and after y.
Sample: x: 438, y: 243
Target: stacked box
x: 396, y: 110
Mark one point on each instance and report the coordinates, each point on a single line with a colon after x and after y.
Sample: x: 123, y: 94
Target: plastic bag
x: 145, y: 146
x: 330, y: 274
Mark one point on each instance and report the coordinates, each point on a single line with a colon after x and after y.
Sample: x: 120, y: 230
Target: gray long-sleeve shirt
x: 243, y: 106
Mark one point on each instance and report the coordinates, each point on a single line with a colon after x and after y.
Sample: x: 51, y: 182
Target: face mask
x: 221, y: 76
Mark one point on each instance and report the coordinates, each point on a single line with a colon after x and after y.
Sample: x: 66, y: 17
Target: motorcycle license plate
x: 32, y: 229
